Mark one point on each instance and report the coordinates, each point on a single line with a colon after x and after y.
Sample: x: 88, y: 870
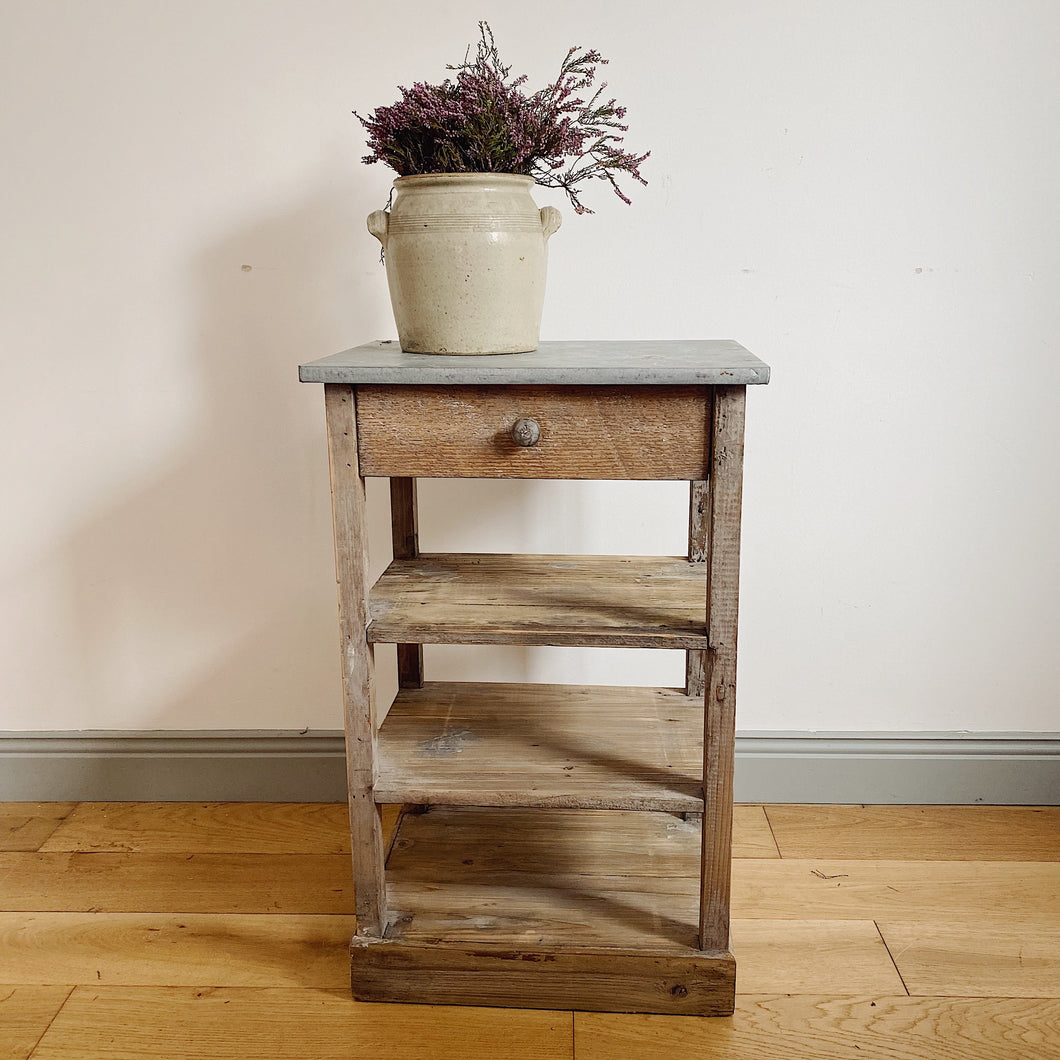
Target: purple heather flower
x: 484, y: 122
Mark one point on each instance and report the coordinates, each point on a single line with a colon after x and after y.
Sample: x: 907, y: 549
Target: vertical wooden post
x: 697, y: 553
x: 723, y: 590
x: 351, y: 569
x: 405, y: 528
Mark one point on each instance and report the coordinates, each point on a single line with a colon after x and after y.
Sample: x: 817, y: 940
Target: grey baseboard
x: 229, y: 766
x: 284, y: 766
x: 1001, y: 769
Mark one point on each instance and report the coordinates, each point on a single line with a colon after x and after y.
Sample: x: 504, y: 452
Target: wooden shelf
x: 555, y: 908
x: 589, y: 747
x: 579, y: 601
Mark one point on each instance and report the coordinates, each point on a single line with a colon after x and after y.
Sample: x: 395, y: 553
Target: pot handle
x: 377, y: 225
x: 551, y: 219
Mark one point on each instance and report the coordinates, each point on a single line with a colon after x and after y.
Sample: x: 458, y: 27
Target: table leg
x: 358, y: 661
x: 723, y: 589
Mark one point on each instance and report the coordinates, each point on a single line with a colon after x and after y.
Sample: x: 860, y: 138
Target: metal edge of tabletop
x: 552, y: 363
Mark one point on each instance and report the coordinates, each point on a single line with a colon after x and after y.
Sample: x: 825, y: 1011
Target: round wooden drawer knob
x: 526, y: 432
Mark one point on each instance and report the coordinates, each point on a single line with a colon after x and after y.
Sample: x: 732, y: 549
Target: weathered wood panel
x: 606, y: 880
x: 587, y: 432
x: 698, y: 503
x: 724, y: 499
x: 358, y: 662
x: 477, y: 974
x: 465, y: 598
x: 404, y: 523
x: 512, y: 841
x: 594, y: 910
x: 465, y: 744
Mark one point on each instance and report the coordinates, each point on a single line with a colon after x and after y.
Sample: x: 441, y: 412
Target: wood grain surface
x: 800, y: 956
x: 723, y: 507
x: 924, y: 833
x: 207, y: 883
x: 472, y: 598
x: 698, y: 511
x: 513, y: 840
x: 205, y: 827
x: 523, y: 977
x: 974, y: 936
x: 594, y: 432
x: 360, y: 720
x: 206, y: 1023
x: 815, y: 1027
x: 945, y: 891
x: 26, y: 1012
x: 987, y: 958
x: 175, y: 949
x: 751, y: 834
x: 552, y: 878
x: 404, y: 525
x: 25, y: 825
x: 468, y: 744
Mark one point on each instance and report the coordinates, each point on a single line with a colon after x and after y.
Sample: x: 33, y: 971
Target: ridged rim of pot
x: 462, y: 178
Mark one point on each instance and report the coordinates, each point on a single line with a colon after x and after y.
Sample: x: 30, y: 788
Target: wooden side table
x: 562, y: 846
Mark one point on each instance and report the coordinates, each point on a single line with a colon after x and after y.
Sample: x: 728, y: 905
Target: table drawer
x: 576, y: 432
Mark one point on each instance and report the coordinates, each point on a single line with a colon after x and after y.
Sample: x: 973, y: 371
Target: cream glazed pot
x: 465, y: 256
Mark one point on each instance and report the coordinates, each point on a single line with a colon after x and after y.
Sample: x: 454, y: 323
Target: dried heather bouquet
x: 484, y: 123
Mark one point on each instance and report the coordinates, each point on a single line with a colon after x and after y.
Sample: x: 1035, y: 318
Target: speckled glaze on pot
x: 466, y: 255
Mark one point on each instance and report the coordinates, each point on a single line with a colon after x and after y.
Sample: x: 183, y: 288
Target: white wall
x: 863, y: 194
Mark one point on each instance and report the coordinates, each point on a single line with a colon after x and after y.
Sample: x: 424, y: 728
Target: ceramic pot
x: 465, y: 260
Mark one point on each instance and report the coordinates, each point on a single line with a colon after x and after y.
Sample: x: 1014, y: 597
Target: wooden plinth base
x: 703, y: 984
x: 539, y: 908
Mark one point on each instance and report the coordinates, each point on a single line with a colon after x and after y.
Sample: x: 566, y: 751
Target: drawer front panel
x: 577, y: 432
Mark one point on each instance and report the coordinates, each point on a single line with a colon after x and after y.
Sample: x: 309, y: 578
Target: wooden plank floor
x: 219, y: 931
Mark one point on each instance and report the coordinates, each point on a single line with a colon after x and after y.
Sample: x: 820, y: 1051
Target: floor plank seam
x: 55, y: 1016
x: 773, y: 835
x: 45, y: 839
x: 898, y: 971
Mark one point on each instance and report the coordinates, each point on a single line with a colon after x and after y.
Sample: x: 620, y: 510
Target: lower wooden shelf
x: 593, y: 910
x: 596, y: 747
